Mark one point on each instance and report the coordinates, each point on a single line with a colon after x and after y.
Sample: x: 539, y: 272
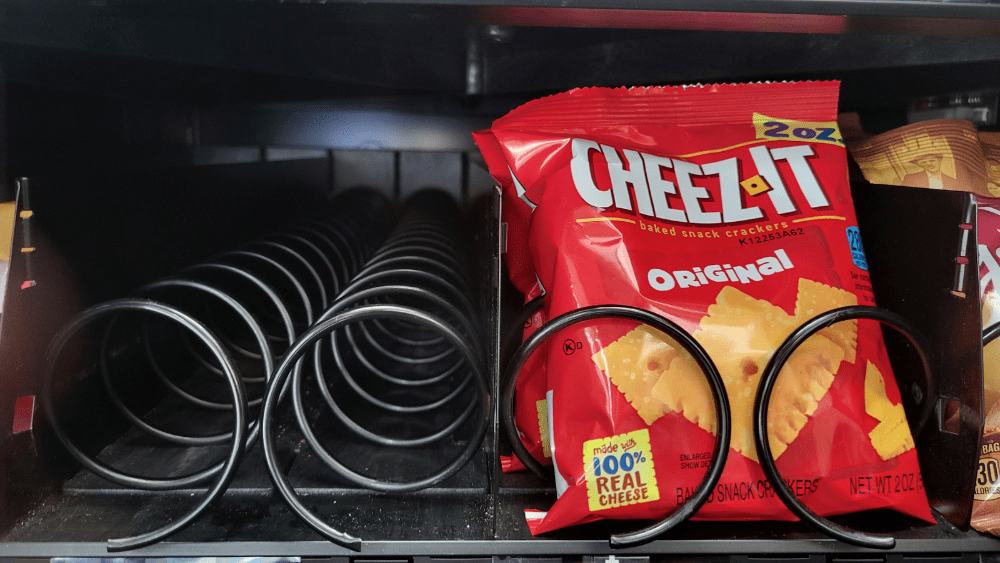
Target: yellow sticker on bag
x: 619, y: 471
x: 771, y: 128
x: 542, y: 407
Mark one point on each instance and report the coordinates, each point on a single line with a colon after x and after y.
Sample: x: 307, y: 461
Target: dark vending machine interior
x: 202, y: 193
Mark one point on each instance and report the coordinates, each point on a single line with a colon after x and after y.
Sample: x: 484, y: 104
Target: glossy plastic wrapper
x: 725, y: 209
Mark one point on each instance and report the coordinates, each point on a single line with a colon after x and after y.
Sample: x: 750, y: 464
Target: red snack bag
x: 531, y: 415
x: 532, y: 407
x: 726, y: 209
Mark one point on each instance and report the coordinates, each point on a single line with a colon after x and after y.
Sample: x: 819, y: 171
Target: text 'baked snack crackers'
x: 725, y: 209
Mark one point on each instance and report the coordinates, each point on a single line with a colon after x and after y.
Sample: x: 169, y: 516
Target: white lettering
x: 579, y: 166
x: 701, y: 277
x: 732, y: 194
x: 658, y: 188
x: 778, y: 193
x: 690, y: 194
x: 769, y: 265
x: 780, y: 253
x: 685, y: 279
x: 660, y: 280
x: 715, y: 273
x: 796, y: 158
x: 639, y: 180
x: 622, y: 178
x: 747, y: 273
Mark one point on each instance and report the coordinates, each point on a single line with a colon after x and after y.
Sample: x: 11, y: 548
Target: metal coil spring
x: 273, y: 289
x: 400, y: 343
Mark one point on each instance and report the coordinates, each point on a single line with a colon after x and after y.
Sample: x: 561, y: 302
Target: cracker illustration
x: 683, y: 389
x: 801, y: 385
x: 815, y: 298
x: 740, y: 333
x: 628, y: 361
x: 892, y: 435
x: 542, y: 409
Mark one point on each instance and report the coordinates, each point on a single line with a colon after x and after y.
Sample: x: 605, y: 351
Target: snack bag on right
x: 944, y: 154
x: 986, y: 505
x: 941, y: 154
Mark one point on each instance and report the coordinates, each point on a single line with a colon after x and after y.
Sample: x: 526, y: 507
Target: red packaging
x: 531, y: 416
x: 726, y: 209
x: 532, y: 406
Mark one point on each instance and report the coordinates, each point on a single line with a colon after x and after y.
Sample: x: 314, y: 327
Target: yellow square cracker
x: 637, y: 387
x: 542, y: 409
x: 763, y: 326
x: 755, y: 185
x: 801, y: 385
x: 740, y: 374
x: 633, y: 364
x: 891, y: 437
x: 684, y: 389
x: 815, y: 298
x: 877, y: 404
x: 621, y: 351
x: 741, y: 334
x: 649, y: 409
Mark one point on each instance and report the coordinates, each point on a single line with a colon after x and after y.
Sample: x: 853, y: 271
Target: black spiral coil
x: 208, y: 339
x: 222, y: 472
x: 397, y: 362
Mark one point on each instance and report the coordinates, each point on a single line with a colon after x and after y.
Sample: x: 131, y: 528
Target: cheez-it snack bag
x: 726, y: 209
